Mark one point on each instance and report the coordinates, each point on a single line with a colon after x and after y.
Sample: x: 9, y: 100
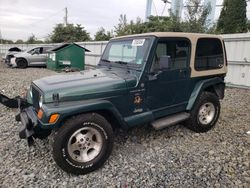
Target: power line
x: 165, y: 4
x: 46, y: 18
x: 163, y: 9
x: 65, y: 18
x: 155, y: 8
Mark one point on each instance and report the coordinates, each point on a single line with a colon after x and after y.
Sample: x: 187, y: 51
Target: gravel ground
x: 142, y: 157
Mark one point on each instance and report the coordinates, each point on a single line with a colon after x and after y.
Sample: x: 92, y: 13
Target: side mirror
x: 154, y: 75
x: 33, y: 53
x: 165, y: 62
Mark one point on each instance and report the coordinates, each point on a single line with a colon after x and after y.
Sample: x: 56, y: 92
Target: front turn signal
x: 40, y: 114
x: 53, y: 118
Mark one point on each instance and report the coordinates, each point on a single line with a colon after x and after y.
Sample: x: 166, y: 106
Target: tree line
x: 232, y: 19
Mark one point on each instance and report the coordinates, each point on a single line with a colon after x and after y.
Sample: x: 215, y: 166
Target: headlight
x: 40, y: 101
x: 13, y: 61
x: 30, y: 92
x: 24, y: 93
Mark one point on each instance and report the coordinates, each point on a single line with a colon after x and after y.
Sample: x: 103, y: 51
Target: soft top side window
x: 209, y: 54
x: 171, y: 54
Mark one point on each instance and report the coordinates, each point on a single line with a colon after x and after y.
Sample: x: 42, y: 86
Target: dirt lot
x: 142, y: 157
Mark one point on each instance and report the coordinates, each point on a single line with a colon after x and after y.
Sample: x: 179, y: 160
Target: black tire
x: 21, y: 63
x: 194, y: 122
x: 61, y: 151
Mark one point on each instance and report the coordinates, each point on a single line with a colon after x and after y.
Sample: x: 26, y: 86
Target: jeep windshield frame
x: 131, y: 52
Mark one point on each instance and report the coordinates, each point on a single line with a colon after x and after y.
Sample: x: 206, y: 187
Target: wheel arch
x: 104, y: 108
x: 218, y: 89
x: 22, y: 58
x: 214, y: 85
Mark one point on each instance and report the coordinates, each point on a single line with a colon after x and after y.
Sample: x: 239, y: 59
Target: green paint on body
x: 131, y: 92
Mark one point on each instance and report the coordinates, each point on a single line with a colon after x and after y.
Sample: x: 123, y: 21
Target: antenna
x: 66, y: 17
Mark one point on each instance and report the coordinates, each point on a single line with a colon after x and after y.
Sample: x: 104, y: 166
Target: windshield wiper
x: 121, y: 62
x: 105, y: 60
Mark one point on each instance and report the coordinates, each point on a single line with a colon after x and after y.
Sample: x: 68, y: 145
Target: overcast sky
x: 21, y: 18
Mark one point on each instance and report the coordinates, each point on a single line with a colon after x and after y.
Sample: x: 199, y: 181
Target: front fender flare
x: 69, y: 109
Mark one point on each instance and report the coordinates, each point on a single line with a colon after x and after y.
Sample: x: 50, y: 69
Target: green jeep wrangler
x: 159, y: 79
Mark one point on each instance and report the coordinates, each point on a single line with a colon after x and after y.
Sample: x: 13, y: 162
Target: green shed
x: 67, y: 55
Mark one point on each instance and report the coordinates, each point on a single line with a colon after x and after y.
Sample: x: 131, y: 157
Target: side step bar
x: 170, y: 120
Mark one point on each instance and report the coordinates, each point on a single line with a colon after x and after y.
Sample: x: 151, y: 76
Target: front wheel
x: 83, y: 144
x: 205, y: 113
x: 21, y: 63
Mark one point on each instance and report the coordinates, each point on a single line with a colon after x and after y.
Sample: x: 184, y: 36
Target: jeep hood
x: 89, y: 84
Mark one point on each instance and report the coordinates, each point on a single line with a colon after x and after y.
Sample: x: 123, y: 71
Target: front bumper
x: 31, y: 126
x: 29, y: 122
x: 27, y: 115
x: 7, y: 61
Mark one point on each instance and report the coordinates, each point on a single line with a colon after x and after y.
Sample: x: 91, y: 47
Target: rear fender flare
x: 218, y: 84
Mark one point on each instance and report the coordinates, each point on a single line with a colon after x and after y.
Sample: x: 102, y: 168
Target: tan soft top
x: 193, y: 37
x: 173, y: 34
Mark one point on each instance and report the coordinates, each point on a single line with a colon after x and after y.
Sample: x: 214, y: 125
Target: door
x: 38, y: 57
x: 168, y: 80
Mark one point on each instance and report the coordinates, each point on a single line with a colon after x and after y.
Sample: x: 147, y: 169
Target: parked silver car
x: 34, y: 57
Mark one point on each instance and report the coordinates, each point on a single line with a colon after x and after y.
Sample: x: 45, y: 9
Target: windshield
x: 128, y: 51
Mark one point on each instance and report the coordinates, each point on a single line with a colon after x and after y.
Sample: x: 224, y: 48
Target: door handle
x: 183, y: 73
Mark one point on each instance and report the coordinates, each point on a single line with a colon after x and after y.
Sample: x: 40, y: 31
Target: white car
x: 34, y: 57
x: 10, y: 54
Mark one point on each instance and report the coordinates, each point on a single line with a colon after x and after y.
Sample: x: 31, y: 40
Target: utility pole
x: 66, y: 17
x: 1, y: 40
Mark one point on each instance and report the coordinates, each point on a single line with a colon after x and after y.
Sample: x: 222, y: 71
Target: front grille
x: 35, y: 97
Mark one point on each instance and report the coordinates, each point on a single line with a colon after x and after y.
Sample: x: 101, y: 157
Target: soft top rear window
x: 209, y: 54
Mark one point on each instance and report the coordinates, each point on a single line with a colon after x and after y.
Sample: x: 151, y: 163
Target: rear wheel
x: 83, y: 144
x: 205, y: 113
x: 21, y: 63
